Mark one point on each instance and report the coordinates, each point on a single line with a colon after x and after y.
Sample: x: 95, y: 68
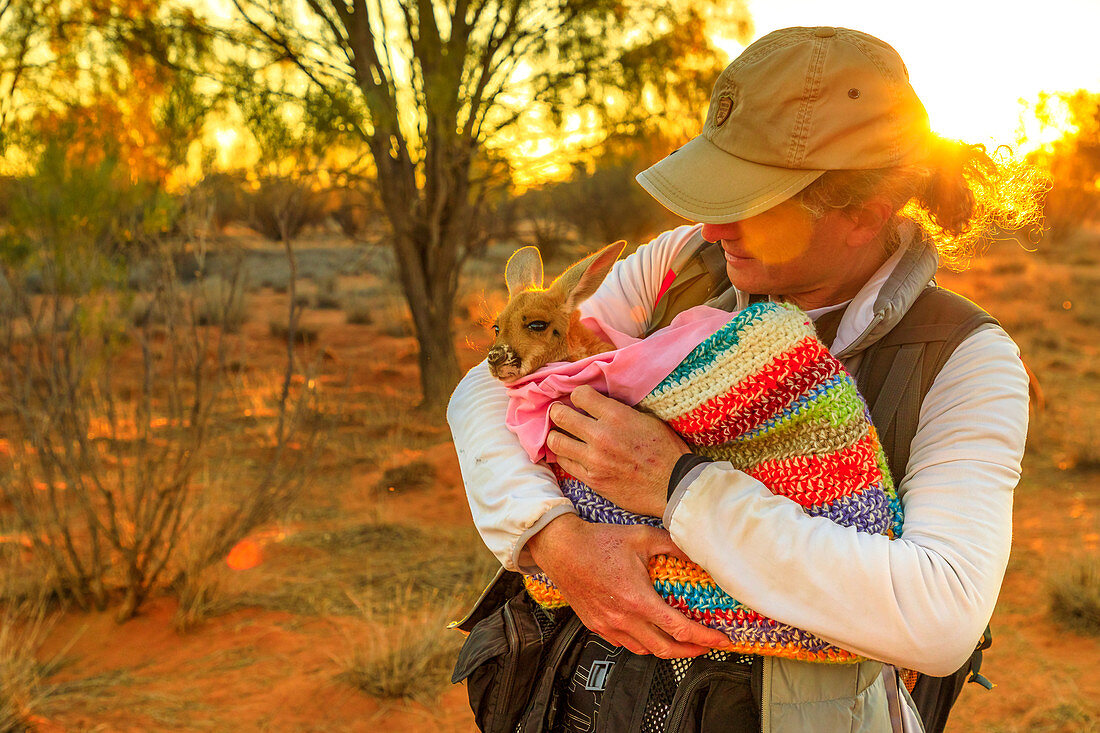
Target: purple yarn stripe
x: 592, y: 507
x: 869, y: 511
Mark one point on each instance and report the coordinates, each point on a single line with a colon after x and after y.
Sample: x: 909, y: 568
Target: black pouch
x: 500, y: 659
x: 716, y: 696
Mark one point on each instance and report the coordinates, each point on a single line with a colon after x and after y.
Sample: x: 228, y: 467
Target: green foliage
x: 440, y: 92
x: 77, y: 220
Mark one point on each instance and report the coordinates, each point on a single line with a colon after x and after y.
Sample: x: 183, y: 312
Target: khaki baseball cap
x: 794, y: 104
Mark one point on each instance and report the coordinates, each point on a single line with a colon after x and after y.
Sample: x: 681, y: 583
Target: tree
x: 440, y: 90
x: 1073, y: 160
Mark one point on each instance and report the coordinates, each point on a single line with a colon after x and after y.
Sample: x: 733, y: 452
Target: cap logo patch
x: 723, y: 108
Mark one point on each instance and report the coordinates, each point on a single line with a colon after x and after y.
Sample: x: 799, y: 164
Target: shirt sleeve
x: 920, y: 601
x: 511, y: 499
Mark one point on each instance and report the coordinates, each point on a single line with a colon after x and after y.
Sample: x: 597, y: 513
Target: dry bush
x: 25, y: 621
x: 280, y: 208
x: 116, y: 429
x: 410, y: 476
x: 327, y: 295
x: 358, y: 309
x: 221, y: 302
x: 1075, y: 597
x: 304, y: 333
x: 393, y: 316
x: 410, y: 654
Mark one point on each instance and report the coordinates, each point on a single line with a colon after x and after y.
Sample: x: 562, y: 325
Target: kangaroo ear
x: 582, y: 279
x: 523, y: 271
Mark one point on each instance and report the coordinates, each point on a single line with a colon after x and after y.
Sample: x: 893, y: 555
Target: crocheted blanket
x: 763, y: 393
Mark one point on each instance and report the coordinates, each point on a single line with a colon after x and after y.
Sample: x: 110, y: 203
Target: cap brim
x: 703, y: 183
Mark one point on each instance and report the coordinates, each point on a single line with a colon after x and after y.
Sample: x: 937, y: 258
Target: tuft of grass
x: 410, y: 476
x: 410, y: 657
x: 1075, y: 597
x: 304, y: 333
x: 394, y: 317
x: 222, y: 302
x: 25, y: 621
x: 201, y: 595
x: 327, y: 295
x: 358, y: 310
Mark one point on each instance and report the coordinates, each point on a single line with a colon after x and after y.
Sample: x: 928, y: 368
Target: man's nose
x: 718, y: 232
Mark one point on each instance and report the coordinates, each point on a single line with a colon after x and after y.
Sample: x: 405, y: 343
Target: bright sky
x: 970, y: 61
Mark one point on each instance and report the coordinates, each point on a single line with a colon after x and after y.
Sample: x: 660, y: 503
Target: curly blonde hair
x: 960, y: 196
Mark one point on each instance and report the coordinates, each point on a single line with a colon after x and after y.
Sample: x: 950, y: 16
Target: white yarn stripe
x: 760, y: 343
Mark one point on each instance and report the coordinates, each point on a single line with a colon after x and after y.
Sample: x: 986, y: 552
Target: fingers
x: 594, y: 403
x: 662, y: 544
x: 686, y: 633
x: 636, y: 630
x: 573, y: 468
x: 566, y: 448
x: 572, y: 421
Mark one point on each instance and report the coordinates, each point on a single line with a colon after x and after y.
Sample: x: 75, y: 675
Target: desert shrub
x: 1073, y: 160
x: 410, y: 657
x: 25, y: 621
x: 409, y: 476
x: 119, y: 427
x: 358, y: 309
x: 1075, y: 597
x: 304, y: 333
x: 280, y: 208
x: 227, y: 194
x: 394, y: 317
x: 221, y: 301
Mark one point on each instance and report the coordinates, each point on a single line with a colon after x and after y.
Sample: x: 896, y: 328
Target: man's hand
x: 601, y: 569
x: 625, y: 455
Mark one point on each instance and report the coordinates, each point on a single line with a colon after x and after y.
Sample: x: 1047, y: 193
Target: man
x: 813, y: 143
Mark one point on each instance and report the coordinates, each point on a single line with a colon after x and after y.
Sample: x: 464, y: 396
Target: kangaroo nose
x: 497, y: 355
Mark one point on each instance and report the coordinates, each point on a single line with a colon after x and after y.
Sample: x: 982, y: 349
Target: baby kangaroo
x: 541, y: 325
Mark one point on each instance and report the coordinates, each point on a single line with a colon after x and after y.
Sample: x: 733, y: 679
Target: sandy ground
x: 262, y: 668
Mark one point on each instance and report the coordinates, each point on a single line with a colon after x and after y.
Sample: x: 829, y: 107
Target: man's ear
x: 868, y: 221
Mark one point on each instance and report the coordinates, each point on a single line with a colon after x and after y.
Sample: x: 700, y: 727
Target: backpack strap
x: 894, y: 377
x: 897, y: 371
x: 697, y: 274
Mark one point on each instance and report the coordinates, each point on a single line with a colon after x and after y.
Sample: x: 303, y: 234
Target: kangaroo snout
x: 499, y: 355
x: 544, y: 323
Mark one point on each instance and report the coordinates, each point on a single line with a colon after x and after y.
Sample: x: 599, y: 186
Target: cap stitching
x: 767, y: 49
x: 796, y: 153
x: 892, y: 88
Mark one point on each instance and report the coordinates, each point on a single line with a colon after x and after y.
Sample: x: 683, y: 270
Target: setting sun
x: 973, y: 65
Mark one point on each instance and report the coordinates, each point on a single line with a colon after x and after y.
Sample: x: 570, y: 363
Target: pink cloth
x: 628, y: 373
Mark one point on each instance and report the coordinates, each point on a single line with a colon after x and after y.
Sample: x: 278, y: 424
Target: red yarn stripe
x: 819, y: 479
x: 760, y: 396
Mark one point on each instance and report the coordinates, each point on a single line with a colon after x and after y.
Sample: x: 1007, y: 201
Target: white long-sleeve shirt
x: 919, y: 601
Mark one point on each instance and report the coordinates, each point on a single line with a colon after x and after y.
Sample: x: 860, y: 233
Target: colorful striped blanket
x: 763, y: 393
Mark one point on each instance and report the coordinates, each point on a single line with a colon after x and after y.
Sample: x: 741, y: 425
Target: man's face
x: 784, y: 251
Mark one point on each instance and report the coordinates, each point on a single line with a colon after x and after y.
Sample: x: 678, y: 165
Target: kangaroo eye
x: 537, y: 325
x: 496, y: 329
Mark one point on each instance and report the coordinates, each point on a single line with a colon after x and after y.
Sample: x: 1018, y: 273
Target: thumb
x: 659, y: 542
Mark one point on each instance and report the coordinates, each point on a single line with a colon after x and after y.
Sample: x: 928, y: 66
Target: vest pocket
x: 714, y: 696
x: 500, y: 661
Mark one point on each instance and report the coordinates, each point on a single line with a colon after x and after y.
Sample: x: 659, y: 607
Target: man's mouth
x: 733, y: 256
